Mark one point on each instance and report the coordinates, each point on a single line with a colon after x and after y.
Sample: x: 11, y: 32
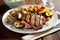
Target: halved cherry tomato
x: 42, y: 7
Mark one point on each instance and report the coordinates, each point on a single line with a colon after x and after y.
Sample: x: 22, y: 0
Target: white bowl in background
x: 12, y: 4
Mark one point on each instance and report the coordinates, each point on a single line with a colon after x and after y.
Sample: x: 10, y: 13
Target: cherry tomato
x: 42, y: 7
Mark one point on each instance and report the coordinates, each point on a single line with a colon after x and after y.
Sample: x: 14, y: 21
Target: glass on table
x: 48, y: 3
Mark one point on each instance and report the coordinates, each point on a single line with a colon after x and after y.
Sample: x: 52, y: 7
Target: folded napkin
x: 39, y: 35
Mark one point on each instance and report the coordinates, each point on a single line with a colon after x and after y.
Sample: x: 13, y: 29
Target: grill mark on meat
x: 32, y: 19
x: 28, y: 18
x: 24, y: 17
x: 41, y: 20
x: 44, y: 20
x: 37, y: 20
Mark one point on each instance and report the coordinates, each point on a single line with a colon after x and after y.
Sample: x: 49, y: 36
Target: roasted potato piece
x: 21, y: 10
x: 24, y: 12
x: 18, y: 24
x: 30, y: 9
x: 13, y: 12
x: 48, y: 18
x: 48, y: 13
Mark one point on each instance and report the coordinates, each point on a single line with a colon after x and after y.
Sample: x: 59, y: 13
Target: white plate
x: 51, y: 23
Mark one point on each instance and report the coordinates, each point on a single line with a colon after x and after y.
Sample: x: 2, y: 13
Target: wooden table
x: 6, y: 34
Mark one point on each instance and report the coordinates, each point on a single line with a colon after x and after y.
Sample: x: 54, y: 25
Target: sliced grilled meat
x: 33, y: 21
x: 44, y: 20
x: 37, y: 23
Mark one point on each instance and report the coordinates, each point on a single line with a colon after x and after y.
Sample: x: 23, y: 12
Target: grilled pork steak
x: 33, y: 21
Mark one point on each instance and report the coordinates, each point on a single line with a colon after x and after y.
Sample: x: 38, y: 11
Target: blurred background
x: 55, y: 2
